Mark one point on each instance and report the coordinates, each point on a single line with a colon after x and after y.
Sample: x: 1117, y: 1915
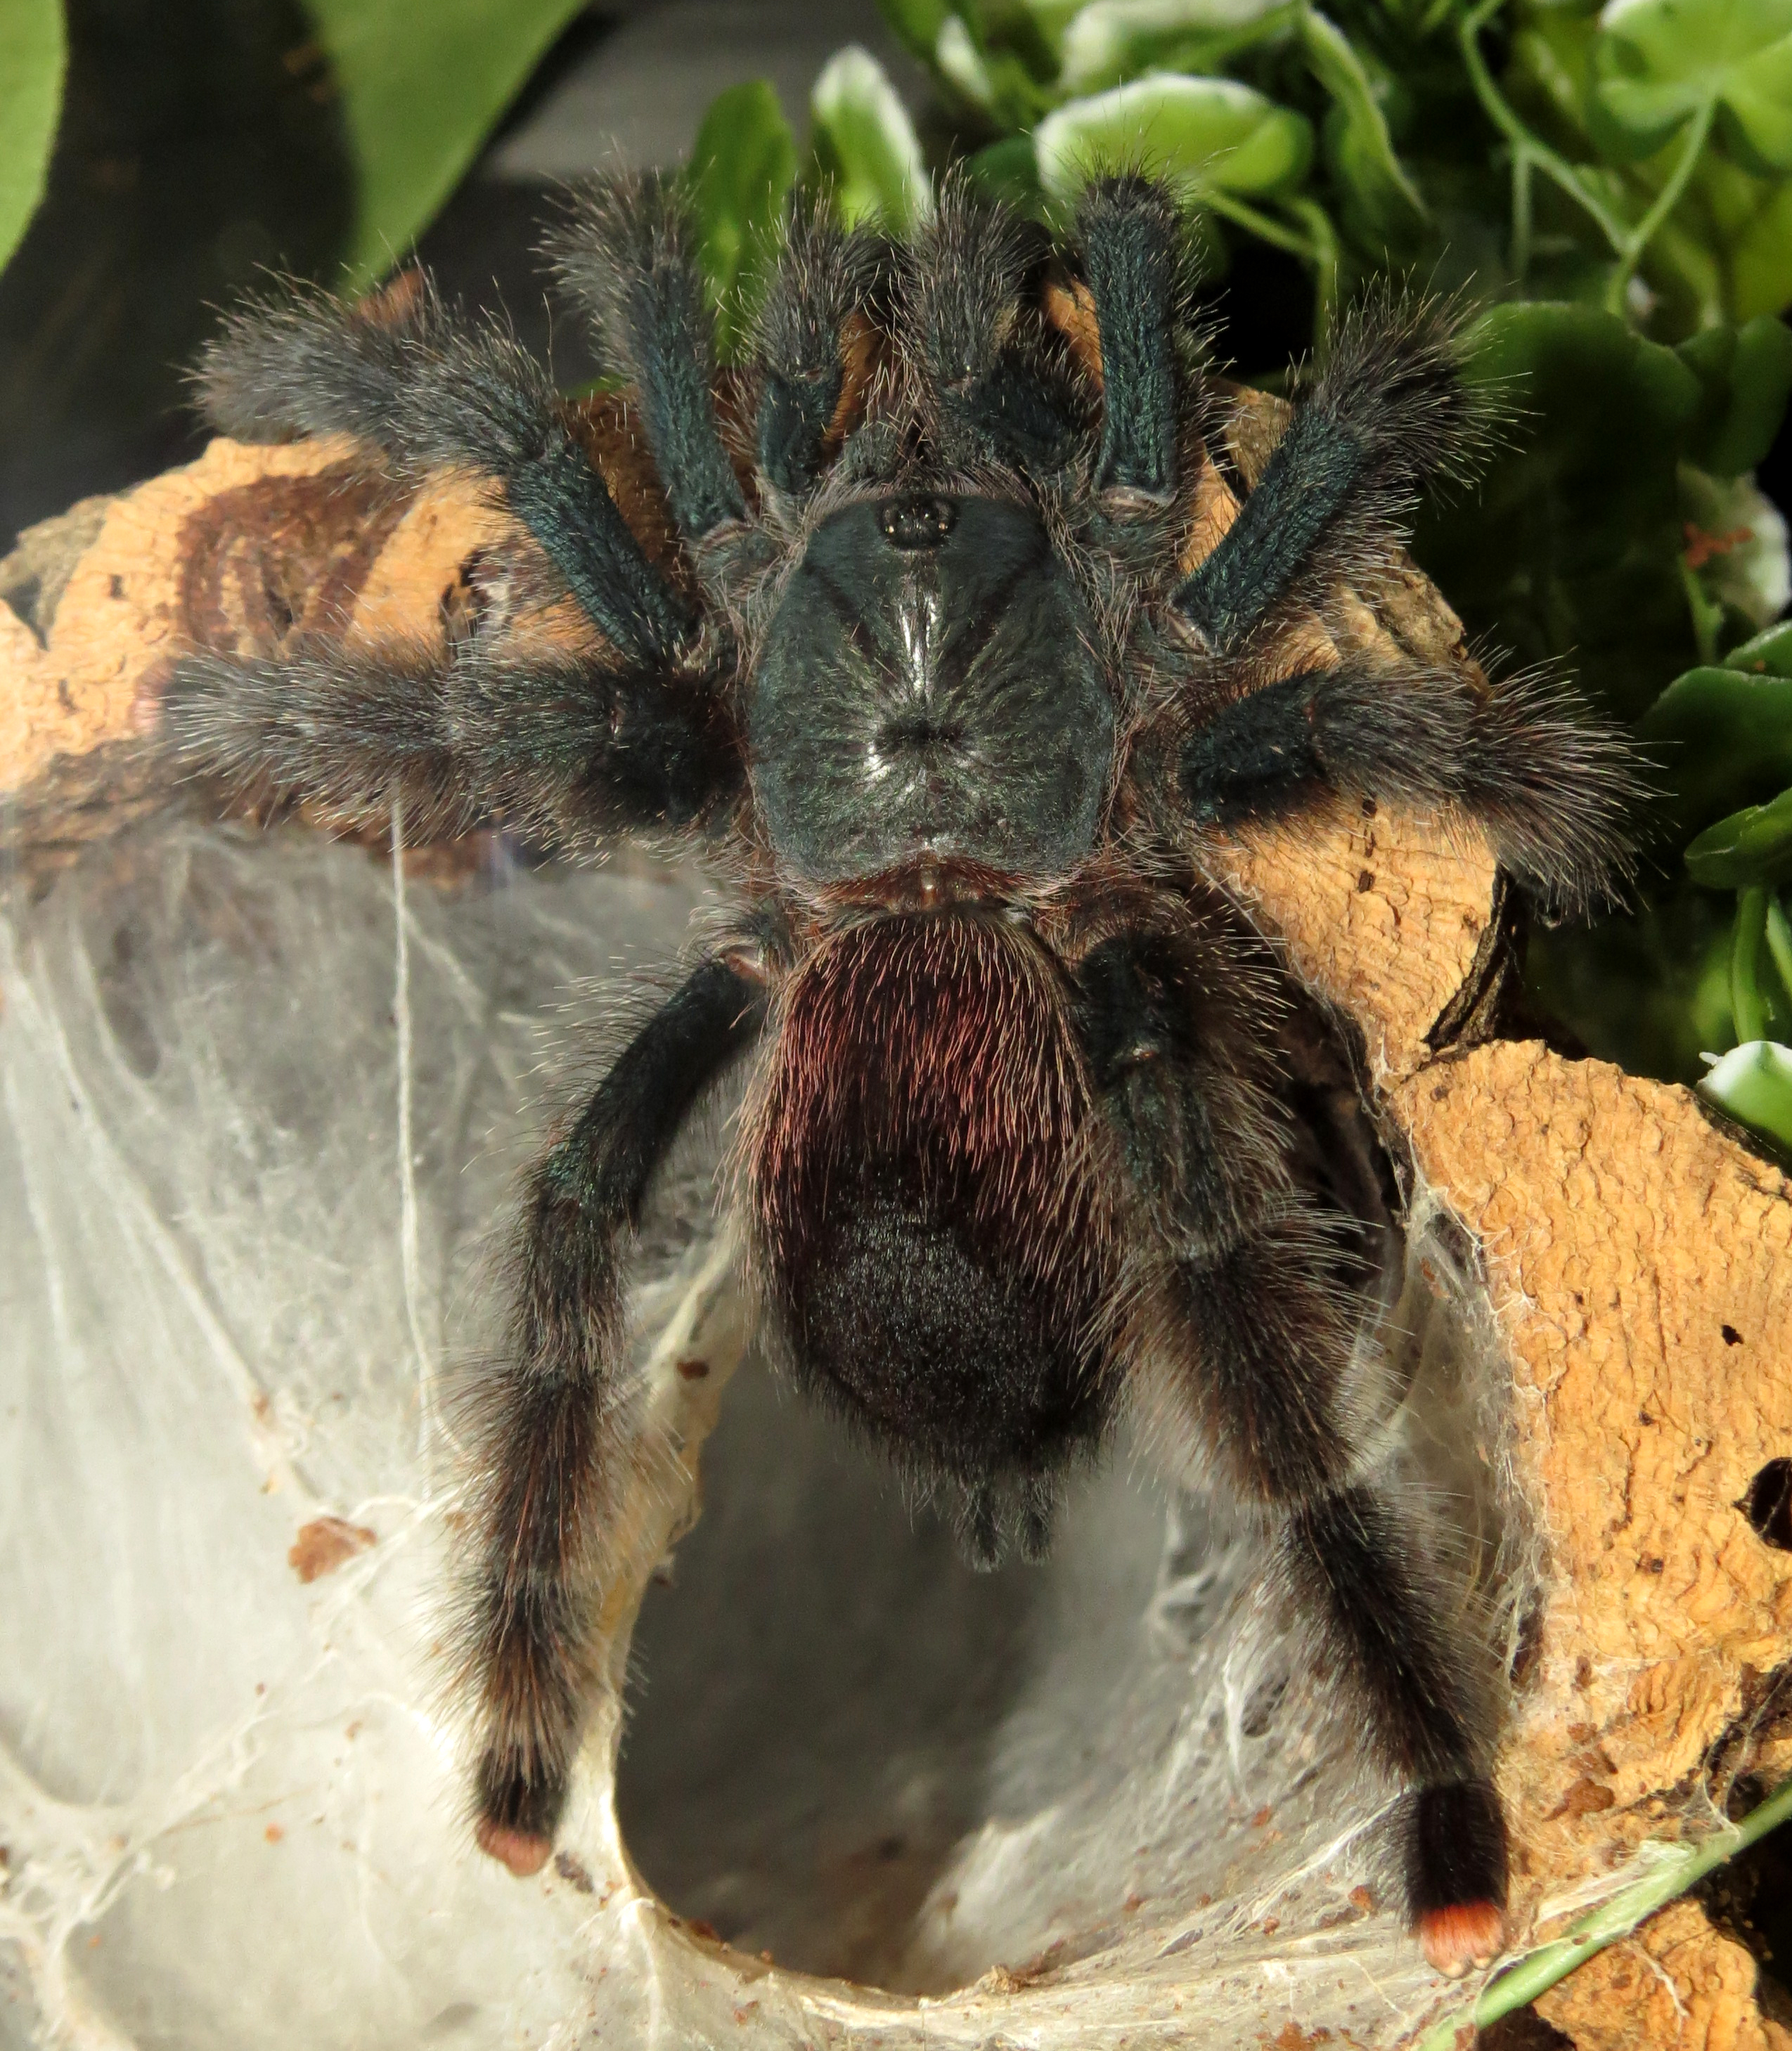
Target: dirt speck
x: 325, y: 1543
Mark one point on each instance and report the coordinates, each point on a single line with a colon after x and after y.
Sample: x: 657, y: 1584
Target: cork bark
x: 1639, y: 1253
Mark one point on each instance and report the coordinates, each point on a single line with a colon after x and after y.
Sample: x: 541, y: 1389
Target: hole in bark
x: 824, y: 1697
x: 847, y: 1749
x: 1768, y: 1504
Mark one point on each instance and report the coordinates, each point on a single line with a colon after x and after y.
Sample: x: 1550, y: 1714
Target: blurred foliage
x: 197, y: 145
x: 742, y: 170
x: 1609, y: 189
x: 33, y: 56
x: 420, y: 83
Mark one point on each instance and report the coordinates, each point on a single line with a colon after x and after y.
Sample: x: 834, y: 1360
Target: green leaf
x: 996, y: 82
x: 1049, y: 19
x: 33, y: 56
x: 1009, y: 172
x: 1753, y: 1083
x: 742, y: 167
x: 1111, y: 40
x: 1721, y: 738
x: 1761, y: 259
x: 1767, y: 654
x: 1220, y: 134
x: 1360, y: 149
x: 917, y: 23
x: 1659, y: 61
x: 422, y: 84
x: 867, y: 142
x: 1749, y: 847
x: 1572, y: 549
x: 1747, y: 375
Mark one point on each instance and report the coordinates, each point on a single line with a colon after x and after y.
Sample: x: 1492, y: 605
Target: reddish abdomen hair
x: 937, y: 1237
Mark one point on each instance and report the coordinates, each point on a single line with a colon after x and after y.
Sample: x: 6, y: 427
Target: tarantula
x: 1040, y: 1127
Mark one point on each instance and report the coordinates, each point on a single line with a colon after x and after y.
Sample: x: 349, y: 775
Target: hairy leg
x: 628, y: 259
x: 823, y: 276
x: 1519, y: 757
x: 981, y: 356
x: 551, y: 1417
x: 1388, y: 411
x: 566, y: 751
x: 1134, y: 256
x: 1257, y: 1293
x: 430, y: 393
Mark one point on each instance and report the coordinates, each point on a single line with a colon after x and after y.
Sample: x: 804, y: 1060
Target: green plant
x: 419, y: 85
x: 33, y: 56
x: 1611, y: 193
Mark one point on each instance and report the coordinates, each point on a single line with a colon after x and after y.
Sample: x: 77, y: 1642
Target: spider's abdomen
x: 930, y: 686
x: 939, y: 1249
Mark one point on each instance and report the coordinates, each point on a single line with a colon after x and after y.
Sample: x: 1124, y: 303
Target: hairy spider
x: 1039, y: 1128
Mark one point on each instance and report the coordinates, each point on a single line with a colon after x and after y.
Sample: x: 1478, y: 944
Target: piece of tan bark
x: 1623, y: 1230
x: 1640, y: 1264
x: 1677, y: 1982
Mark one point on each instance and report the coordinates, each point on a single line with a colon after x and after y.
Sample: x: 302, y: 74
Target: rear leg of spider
x: 551, y: 1420
x: 1257, y: 1291
x: 566, y: 750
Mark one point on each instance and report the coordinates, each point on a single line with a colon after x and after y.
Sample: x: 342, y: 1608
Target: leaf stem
x: 1499, y: 111
x: 1318, y: 246
x: 1674, y: 1868
x: 1522, y: 162
x: 1779, y: 942
x: 1708, y: 615
x: 1665, y: 202
x: 1747, y: 1005
x: 1260, y: 224
x: 1325, y: 249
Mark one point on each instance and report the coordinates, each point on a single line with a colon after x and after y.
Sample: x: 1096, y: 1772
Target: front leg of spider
x: 1244, y: 1347
x: 1516, y: 757
x: 553, y: 1417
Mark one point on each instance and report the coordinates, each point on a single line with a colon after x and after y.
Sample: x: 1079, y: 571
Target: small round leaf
x: 1749, y: 847
x: 1109, y: 41
x: 1215, y: 132
x: 1753, y: 1083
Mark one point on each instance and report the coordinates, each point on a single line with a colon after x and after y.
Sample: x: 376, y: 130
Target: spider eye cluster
x: 916, y: 521
x: 930, y: 688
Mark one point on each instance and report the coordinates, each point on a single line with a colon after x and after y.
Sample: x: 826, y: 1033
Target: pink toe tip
x: 523, y: 1853
x: 1466, y: 1934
